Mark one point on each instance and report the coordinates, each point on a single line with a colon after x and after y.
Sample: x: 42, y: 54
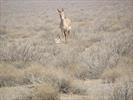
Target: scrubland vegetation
x: 95, y: 64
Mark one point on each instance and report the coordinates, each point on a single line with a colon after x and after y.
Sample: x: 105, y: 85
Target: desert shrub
x: 113, y: 24
x: 16, y: 51
x: 123, y: 91
x: 77, y: 71
x: 45, y: 92
x: 54, y: 76
x: 3, y: 31
x: 34, y: 73
x: 105, y: 53
x: 22, y: 50
x: 110, y: 75
x: 15, y: 93
x: 38, y: 74
x: 10, y: 76
x: 57, y: 77
x: 64, y: 81
x: 123, y: 69
x: 78, y: 87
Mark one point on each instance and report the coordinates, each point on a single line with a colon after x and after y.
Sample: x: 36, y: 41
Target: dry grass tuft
x: 10, y: 76
x: 110, y: 75
x: 123, y: 69
x: 78, y: 87
x: 123, y: 91
x: 45, y: 92
x: 54, y: 76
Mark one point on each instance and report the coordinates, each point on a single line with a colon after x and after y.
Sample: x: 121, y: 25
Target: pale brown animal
x: 65, y: 24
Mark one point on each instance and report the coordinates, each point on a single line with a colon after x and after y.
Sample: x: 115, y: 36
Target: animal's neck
x: 62, y: 20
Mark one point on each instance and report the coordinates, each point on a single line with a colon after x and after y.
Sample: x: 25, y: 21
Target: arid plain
x: 96, y: 63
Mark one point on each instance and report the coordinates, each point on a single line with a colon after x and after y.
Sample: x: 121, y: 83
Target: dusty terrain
x: 95, y: 64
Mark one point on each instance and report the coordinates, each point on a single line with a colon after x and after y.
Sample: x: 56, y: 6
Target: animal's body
x: 65, y: 24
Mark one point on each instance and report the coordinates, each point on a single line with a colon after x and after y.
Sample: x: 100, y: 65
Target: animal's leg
x: 62, y: 32
x: 69, y: 33
x: 65, y: 36
x: 58, y: 36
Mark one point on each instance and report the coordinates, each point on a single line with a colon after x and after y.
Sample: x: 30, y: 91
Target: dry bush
x: 111, y: 74
x: 123, y: 91
x: 54, y: 76
x: 37, y: 74
x: 15, y: 93
x: 80, y: 72
x: 13, y: 74
x: 3, y: 31
x: 105, y: 53
x: 45, y: 92
x: 123, y: 69
x: 23, y: 50
x: 10, y: 76
x: 57, y: 77
x: 34, y: 73
x: 112, y: 24
x: 92, y: 60
x: 78, y: 87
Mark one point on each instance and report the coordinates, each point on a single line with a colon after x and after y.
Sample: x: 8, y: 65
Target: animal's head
x: 61, y: 13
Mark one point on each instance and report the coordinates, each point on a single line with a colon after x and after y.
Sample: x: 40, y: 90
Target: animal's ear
x: 62, y: 9
x: 58, y: 10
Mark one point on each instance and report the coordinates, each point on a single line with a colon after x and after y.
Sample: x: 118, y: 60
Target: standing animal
x: 65, y: 24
